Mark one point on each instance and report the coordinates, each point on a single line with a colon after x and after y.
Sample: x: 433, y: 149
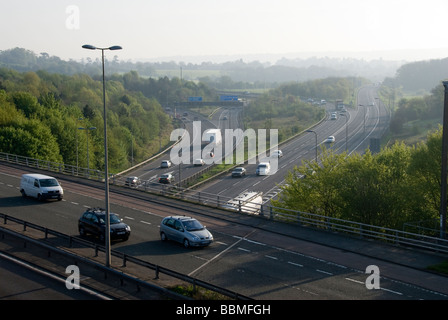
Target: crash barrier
x: 426, y: 241
x: 75, y: 241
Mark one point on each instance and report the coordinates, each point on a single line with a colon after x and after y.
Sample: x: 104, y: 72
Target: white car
x: 330, y: 139
x: 165, y: 164
x: 277, y: 153
x: 198, y: 162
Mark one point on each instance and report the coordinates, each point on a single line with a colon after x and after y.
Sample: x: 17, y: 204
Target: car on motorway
x: 198, y: 162
x: 132, y: 182
x: 238, y: 172
x: 330, y: 139
x: 166, y: 178
x: 165, y: 164
x: 93, y: 221
x: 277, y: 153
x: 263, y: 169
x: 186, y: 230
x: 334, y: 116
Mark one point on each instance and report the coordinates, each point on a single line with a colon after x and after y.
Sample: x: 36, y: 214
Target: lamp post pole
x: 443, y: 187
x: 106, y: 166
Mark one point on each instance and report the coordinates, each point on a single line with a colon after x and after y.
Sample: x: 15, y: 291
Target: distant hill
x: 421, y: 75
x: 284, y: 70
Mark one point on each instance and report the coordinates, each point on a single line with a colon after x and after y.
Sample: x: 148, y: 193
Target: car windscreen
x: 48, y: 183
x: 192, y: 225
x: 113, y: 218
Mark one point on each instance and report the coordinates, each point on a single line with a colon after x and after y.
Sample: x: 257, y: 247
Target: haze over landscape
x: 199, y: 30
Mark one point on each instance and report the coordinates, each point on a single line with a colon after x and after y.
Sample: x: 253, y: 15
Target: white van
x: 41, y: 187
x: 263, y: 169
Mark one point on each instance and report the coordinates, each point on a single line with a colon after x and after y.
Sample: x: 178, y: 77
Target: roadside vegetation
x: 41, y: 113
x: 398, y: 185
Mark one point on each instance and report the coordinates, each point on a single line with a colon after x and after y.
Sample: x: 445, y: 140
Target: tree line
x: 398, y: 185
x: 41, y: 113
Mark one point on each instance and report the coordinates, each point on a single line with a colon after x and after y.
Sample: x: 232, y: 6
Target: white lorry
x: 41, y: 187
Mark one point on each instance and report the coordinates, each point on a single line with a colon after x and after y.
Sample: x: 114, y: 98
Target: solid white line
x: 353, y: 280
x: 219, y: 254
x: 295, y: 264
x: 325, y: 272
x: 391, y: 291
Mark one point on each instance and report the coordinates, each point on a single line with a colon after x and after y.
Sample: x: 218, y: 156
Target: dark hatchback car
x: 238, y: 172
x: 166, y: 178
x: 132, y: 182
x: 93, y: 221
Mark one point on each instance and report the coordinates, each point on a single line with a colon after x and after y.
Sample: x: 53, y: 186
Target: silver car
x: 186, y: 230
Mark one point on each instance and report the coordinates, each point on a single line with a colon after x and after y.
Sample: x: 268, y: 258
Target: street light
x: 106, y: 167
x: 87, y: 130
x: 316, y: 140
x: 444, y: 169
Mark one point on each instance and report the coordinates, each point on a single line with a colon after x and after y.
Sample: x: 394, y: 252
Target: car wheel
x: 39, y: 197
x: 186, y: 243
x: 82, y: 231
x: 23, y: 193
x: 163, y: 236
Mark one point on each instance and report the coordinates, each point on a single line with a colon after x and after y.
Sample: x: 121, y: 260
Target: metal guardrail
x: 72, y: 240
x: 267, y: 211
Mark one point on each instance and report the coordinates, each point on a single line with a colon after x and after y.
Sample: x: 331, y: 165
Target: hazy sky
x: 150, y: 29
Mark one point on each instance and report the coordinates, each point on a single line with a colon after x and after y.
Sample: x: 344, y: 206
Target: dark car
x: 132, y: 182
x: 238, y: 172
x: 166, y: 178
x: 93, y: 221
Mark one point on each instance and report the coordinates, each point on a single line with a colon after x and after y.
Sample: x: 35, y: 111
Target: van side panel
x: 30, y: 185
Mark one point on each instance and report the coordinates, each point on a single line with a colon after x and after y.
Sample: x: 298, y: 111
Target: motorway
x: 150, y: 172
x: 250, y: 255
x: 246, y: 256
x: 352, y: 131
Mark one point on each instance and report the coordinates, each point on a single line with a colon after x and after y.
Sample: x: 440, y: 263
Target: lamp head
x: 88, y: 46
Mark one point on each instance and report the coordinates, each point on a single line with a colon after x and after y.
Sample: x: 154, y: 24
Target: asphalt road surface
x: 251, y: 256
